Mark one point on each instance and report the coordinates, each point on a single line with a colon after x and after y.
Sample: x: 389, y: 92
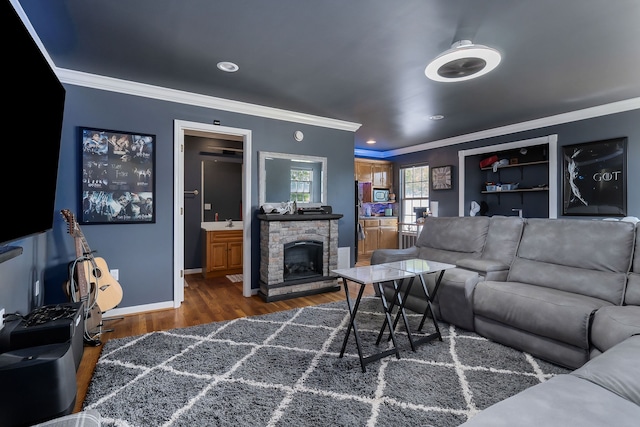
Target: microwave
x: 380, y: 195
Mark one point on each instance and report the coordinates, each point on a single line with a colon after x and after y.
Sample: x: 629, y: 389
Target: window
x: 301, y: 180
x: 414, y: 188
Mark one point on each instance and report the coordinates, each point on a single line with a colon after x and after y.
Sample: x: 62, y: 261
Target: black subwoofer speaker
x: 38, y: 384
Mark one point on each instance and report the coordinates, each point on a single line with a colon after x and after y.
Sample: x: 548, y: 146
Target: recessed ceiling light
x: 464, y: 61
x: 228, y: 67
x: 371, y: 141
x: 436, y: 117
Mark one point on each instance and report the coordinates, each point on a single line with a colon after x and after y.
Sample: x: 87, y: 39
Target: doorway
x: 182, y: 128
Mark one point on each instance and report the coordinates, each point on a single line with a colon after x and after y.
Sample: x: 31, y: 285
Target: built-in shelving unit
x: 534, y: 171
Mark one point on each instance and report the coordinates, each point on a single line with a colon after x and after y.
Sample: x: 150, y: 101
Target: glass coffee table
x: 374, y: 275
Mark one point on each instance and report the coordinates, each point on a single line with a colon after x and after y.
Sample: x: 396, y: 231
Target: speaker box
x: 38, y: 384
x: 57, y: 323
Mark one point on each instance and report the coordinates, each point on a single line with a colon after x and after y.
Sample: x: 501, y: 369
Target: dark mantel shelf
x: 297, y: 217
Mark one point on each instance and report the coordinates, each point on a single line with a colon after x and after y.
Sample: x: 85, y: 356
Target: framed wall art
x: 595, y: 178
x: 441, y: 178
x: 118, y: 182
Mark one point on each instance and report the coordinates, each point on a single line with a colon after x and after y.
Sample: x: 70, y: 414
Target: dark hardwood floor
x: 205, y: 301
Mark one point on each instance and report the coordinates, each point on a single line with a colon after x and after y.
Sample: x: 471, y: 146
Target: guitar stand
x: 110, y: 319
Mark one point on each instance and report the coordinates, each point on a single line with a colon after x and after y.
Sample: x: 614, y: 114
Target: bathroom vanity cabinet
x: 221, y: 252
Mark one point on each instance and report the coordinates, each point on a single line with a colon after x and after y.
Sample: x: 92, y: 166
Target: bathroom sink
x: 221, y: 225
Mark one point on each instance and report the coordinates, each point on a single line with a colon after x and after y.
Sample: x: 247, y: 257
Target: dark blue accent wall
x: 143, y: 252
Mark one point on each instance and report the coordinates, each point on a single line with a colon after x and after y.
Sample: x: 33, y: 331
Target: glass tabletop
x: 418, y: 266
x: 373, y: 273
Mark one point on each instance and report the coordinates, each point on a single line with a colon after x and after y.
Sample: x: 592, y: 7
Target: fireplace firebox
x: 302, y: 259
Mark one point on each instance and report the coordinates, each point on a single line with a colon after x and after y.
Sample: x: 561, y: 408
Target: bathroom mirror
x: 287, y: 177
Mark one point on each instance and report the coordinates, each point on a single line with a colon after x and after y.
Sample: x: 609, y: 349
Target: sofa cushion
x: 632, y: 293
x: 570, y: 255
x: 578, y: 243
x: 564, y: 400
x: 616, y: 370
x: 503, y: 238
x: 546, y: 312
x: 613, y: 324
x: 455, y: 234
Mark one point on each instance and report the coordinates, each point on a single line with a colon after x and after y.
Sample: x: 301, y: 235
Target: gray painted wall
x: 143, y: 252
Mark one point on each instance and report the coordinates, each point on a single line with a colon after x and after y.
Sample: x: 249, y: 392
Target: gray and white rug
x: 283, y: 369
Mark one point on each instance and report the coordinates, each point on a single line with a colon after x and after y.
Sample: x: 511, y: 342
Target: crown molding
x: 558, y: 119
x: 111, y: 84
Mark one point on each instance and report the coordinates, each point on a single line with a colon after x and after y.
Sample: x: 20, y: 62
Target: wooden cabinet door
x: 379, y: 172
x: 217, y: 256
x: 371, y: 235
x: 363, y: 171
x: 388, y: 238
x: 234, y: 255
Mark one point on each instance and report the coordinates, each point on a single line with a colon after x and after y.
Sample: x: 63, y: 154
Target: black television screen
x: 33, y: 99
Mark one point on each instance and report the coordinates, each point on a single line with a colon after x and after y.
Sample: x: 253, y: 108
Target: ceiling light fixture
x: 464, y: 61
x: 228, y: 67
x: 436, y: 117
x: 371, y: 141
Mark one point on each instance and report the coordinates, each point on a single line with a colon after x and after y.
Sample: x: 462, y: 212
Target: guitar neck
x: 82, y: 252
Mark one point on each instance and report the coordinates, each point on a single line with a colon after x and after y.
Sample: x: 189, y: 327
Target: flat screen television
x: 33, y: 100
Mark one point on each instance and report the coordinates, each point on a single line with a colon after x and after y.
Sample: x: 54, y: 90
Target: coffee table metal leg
x: 388, y: 321
x: 429, y: 308
x: 396, y: 293
x: 401, y: 299
x: 353, y: 309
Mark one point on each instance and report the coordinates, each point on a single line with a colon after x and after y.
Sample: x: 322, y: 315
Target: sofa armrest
x: 483, y: 266
x: 380, y: 256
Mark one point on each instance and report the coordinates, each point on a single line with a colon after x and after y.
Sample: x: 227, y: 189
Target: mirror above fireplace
x: 288, y: 177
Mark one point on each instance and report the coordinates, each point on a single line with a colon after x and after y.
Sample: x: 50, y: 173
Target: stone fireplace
x: 297, y: 254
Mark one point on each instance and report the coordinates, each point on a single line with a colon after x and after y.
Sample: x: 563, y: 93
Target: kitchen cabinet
x: 221, y: 252
x: 380, y: 233
x: 378, y: 172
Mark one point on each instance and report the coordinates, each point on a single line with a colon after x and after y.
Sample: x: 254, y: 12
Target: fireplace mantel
x: 278, y: 230
x: 297, y: 217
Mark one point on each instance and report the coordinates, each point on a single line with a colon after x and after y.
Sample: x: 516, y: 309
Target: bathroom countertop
x: 220, y: 225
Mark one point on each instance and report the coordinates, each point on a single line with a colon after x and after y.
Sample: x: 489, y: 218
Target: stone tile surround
x: 278, y: 230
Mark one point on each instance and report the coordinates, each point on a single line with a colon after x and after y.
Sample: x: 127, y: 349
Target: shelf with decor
x: 515, y: 165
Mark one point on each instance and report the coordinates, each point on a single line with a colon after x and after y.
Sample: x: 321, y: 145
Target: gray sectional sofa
x: 564, y: 290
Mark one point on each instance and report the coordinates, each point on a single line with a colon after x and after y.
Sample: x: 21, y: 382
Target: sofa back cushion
x: 456, y: 234
x: 503, y: 238
x: 632, y: 294
x: 580, y: 256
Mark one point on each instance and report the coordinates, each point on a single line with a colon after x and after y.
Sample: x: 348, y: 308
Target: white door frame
x: 180, y: 128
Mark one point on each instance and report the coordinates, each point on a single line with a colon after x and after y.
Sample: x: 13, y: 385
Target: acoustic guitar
x: 107, y: 290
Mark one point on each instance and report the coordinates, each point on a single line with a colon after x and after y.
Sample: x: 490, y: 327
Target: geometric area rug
x: 283, y: 369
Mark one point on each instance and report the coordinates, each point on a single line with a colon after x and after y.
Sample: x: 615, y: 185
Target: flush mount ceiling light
x: 464, y: 61
x: 371, y: 141
x: 228, y: 67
